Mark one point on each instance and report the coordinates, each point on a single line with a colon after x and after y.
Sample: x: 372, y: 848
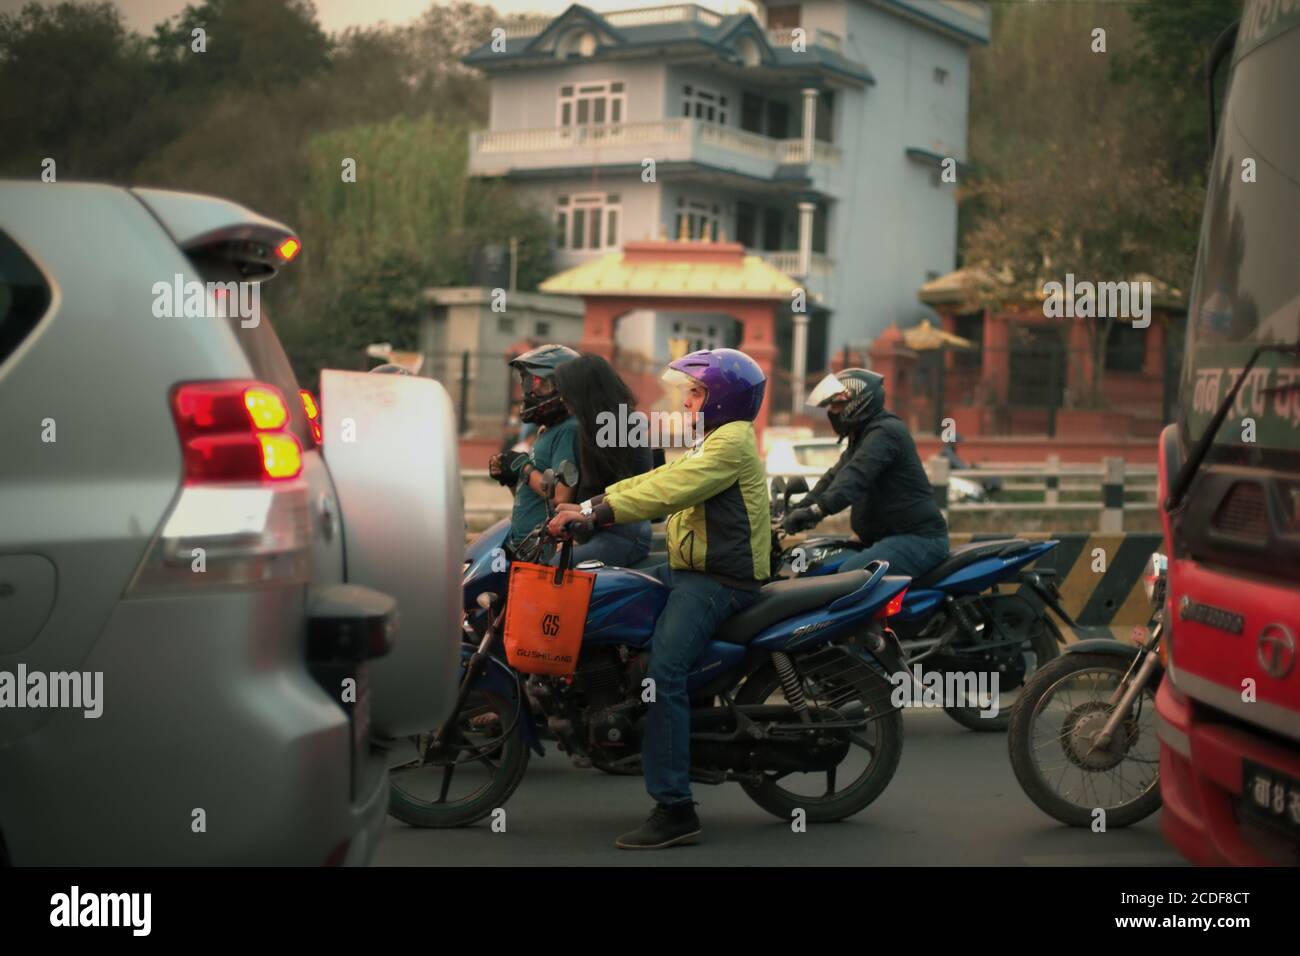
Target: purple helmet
x: 734, y: 380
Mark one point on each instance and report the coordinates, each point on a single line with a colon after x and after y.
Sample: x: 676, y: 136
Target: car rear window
x: 261, y: 346
x: 24, y: 296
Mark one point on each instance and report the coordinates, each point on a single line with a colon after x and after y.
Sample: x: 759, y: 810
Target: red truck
x: 1229, y: 712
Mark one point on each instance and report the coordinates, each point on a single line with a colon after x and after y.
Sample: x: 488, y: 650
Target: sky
x: 336, y: 15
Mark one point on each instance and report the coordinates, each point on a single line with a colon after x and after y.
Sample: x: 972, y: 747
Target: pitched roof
x: 693, y: 270
x: 695, y: 27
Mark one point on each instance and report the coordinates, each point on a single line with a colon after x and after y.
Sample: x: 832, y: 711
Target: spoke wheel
x: 1052, y: 743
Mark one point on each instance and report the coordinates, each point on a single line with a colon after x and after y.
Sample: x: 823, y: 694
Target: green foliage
x: 412, y: 220
x: 265, y: 116
x: 1083, y: 153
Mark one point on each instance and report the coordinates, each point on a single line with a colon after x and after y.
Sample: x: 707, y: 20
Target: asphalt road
x: 954, y: 801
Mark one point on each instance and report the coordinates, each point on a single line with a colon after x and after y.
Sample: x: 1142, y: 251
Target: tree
x: 71, y: 78
x: 413, y: 219
x: 1076, y: 178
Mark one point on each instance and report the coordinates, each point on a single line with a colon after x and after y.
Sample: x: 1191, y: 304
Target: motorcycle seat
x: 968, y: 554
x: 784, y: 599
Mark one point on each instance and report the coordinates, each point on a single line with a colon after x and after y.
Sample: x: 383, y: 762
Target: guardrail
x: 1112, y: 484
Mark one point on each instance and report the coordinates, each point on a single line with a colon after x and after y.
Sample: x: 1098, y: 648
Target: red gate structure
x: 680, y: 276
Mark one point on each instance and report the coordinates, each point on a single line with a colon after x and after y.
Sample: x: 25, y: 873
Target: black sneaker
x: 667, y: 826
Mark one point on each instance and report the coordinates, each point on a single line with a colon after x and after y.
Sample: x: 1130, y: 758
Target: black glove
x: 498, y: 471
x: 801, y: 519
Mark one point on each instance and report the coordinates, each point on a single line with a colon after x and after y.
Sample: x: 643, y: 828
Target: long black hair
x: 590, y: 386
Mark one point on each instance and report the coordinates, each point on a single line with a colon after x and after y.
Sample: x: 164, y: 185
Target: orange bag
x: 546, y: 611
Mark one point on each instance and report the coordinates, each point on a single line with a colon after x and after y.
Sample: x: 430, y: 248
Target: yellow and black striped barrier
x: 1099, y: 576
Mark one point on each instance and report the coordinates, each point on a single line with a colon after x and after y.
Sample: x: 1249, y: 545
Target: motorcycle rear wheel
x: 1044, y: 642
x: 884, y: 735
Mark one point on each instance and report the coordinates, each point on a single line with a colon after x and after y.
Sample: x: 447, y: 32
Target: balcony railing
x: 567, y: 137
x: 654, y: 132
x: 787, y: 261
x: 812, y: 37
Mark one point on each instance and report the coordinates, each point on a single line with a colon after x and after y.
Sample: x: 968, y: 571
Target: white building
x: 814, y: 134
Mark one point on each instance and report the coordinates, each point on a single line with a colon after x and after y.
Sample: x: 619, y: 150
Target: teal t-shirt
x: 558, y: 443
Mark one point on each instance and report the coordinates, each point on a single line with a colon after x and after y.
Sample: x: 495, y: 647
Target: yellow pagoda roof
x: 687, y: 270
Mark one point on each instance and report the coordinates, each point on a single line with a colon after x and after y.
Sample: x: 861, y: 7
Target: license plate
x: 1271, y: 796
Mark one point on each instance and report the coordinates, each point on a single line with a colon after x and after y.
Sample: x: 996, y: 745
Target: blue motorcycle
x: 791, y: 699
x: 955, y: 619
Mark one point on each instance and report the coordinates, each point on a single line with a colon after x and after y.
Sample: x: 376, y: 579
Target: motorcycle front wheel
x: 1051, y: 737
x: 875, y: 749
x: 474, y: 772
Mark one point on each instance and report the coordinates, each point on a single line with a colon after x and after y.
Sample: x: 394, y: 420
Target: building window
x: 587, y: 221
x: 591, y: 104
x: 704, y: 105
x: 940, y: 75
x: 785, y: 17
x: 543, y: 329
x: 700, y: 216
x: 1126, y: 347
x: 505, y: 326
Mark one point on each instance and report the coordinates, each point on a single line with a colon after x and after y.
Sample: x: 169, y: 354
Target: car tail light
x: 289, y: 248
x: 241, y: 517
x: 235, y: 431
x: 894, y: 606
x: 312, y: 408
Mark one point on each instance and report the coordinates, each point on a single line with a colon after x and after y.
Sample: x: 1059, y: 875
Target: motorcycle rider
x: 880, y: 474
x: 718, y: 536
x: 557, y: 441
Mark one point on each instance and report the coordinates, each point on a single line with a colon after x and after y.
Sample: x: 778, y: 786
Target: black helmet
x: 538, y: 364
x: 866, y: 391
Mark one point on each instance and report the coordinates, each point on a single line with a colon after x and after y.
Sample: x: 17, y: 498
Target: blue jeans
x: 697, y: 606
x: 908, y: 554
x: 619, y: 547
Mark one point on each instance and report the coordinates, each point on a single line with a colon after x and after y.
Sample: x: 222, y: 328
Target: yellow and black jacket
x: 716, y: 494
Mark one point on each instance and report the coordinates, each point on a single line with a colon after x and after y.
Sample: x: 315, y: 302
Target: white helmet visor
x: 826, y: 389
x: 677, y: 378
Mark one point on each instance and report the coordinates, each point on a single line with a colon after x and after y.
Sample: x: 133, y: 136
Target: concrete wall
x: 891, y: 226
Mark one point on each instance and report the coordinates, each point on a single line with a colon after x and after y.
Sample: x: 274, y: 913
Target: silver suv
x: 200, y: 582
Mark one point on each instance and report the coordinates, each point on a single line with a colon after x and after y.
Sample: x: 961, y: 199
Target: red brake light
x: 312, y: 409
x: 234, y: 431
x: 894, y: 606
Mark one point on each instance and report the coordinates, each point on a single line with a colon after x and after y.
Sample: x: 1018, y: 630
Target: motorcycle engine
x: 609, y: 679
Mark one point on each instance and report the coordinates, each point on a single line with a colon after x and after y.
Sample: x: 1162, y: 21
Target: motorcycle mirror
x: 548, y: 480
x: 568, y: 473
x: 797, y: 486
x: 778, y: 487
